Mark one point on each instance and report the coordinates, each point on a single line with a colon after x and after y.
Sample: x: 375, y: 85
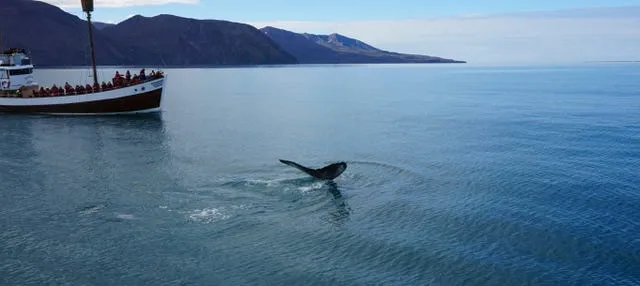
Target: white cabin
x: 16, y: 71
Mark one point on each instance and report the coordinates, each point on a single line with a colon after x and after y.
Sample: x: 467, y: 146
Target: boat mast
x: 87, y: 6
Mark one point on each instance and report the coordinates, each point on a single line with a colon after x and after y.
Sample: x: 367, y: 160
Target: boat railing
x: 56, y: 91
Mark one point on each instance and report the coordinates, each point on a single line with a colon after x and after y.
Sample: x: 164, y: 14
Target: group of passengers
x: 118, y: 81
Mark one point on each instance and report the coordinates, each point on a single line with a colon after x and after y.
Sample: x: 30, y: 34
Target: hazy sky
x: 488, y: 31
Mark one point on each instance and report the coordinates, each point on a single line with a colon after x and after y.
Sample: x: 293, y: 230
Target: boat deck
x: 30, y: 92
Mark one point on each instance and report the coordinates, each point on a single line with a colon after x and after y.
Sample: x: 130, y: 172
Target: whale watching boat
x: 20, y: 93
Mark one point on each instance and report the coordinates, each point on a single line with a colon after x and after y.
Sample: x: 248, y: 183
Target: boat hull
x: 144, y: 97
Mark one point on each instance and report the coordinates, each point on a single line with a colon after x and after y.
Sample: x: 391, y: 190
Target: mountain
x: 54, y: 37
x: 57, y: 38
x: 336, y: 48
x: 101, y: 25
x: 173, y: 40
x: 340, y: 43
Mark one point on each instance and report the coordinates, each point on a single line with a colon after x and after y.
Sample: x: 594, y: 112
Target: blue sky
x: 487, y: 31
x: 326, y: 10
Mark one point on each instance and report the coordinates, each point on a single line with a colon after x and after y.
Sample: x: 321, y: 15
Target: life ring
x: 6, y: 84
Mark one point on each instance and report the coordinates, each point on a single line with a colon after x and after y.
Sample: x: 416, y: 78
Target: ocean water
x: 457, y: 175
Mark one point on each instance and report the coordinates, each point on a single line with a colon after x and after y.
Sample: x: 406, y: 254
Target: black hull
x: 127, y: 104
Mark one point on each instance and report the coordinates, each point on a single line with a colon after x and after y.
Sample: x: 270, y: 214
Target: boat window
x: 3, y: 75
x: 20, y: 71
x: 15, y: 60
x: 5, y: 60
x: 25, y: 61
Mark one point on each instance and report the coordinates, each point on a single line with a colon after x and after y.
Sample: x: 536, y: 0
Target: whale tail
x: 296, y: 165
x: 328, y: 172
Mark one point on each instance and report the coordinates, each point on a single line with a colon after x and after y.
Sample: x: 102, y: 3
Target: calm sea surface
x: 457, y: 175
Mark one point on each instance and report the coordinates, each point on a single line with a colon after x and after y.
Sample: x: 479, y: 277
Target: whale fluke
x: 329, y: 172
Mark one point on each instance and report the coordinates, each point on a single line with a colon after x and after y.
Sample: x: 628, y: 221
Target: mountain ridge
x: 55, y: 38
x: 175, y: 40
x: 336, y: 48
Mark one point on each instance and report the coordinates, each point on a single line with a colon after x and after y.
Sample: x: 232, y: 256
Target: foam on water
x: 125, y: 216
x: 209, y: 215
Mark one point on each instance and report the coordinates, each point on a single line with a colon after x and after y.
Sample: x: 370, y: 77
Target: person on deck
x: 88, y: 88
x: 143, y: 76
x: 67, y: 87
x: 117, y: 79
